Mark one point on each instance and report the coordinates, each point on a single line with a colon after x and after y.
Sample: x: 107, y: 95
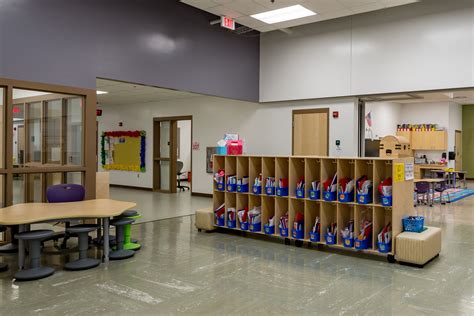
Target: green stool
x: 128, y: 243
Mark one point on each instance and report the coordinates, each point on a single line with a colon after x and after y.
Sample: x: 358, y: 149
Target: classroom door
x: 458, y: 150
x: 164, y: 155
x: 311, y: 132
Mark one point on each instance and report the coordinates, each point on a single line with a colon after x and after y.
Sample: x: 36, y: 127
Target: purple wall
x: 162, y: 42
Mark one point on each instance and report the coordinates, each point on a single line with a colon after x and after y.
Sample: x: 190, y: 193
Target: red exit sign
x: 227, y: 23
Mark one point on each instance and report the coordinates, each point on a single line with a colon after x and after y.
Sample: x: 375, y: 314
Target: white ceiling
x: 129, y: 93
x: 241, y: 10
x: 465, y: 96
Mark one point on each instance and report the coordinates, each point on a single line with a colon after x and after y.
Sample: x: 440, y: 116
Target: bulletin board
x: 123, y: 150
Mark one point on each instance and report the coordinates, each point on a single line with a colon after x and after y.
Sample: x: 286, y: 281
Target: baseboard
x: 208, y: 195
x: 130, y: 187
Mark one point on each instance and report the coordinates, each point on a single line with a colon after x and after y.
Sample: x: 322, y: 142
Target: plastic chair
x: 179, y: 167
x: 442, y: 187
x: 422, y: 189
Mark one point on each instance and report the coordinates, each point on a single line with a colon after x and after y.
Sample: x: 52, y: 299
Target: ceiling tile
x: 320, y: 6
x: 356, y: 3
x: 247, y: 7
x: 201, y: 4
x: 280, y: 3
x: 367, y: 8
x: 249, y: 21
x: 221, y: 10
x: 306, y: 20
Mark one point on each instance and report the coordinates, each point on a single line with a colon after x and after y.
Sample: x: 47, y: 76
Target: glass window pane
x: 165, y: 175
x: 74, y: 131
x: 33, y: 123
x: 2, y: 127
x: 165, y: 128
x: 2, y: 190
x: 33, y: 186
x: 53, y: 131
x: 18, y: 188
x: 18, y: 135
x: 74, y: 178
x: 53, y: 179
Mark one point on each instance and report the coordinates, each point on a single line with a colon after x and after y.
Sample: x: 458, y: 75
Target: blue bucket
x: 386, y: 200
x: 315, y: 237
x: 231, y: 224
x: 330, y: 239
x: 348, y: 242
x: 363, y: 244
x: 270, y: 190
x: 242, y: 187
x: 255, y: 227
x: 346, y: 197
x: 282, y: 191
x: 284, y: 232
x: 300, y: 194
x: 257, y: 189
x: 244, y: 226
x: 220, y: 186
x: 297, y: 233
x: 231, y: 187
x: 413, y: 224
x: 364, y: 198
x: 221, y: 150
x: 329, y: 196
x: 220, y: 222
x: 314, y: 194
x: 384, y: 247
x: 269, y: 230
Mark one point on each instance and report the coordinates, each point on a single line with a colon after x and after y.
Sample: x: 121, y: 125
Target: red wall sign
x: 227, y: 23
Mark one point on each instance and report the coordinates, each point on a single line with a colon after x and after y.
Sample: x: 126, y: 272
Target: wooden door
x: 311, y: 132
x: 458, y: 150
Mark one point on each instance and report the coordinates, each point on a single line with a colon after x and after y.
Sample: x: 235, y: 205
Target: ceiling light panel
x: 284, y: 14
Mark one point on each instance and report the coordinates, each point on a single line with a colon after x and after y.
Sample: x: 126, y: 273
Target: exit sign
x: 227, y: 23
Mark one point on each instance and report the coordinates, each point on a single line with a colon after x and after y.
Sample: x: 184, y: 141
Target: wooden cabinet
x: 429, y: 140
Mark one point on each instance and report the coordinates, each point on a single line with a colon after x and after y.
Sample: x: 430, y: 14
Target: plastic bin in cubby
x: 300, y: 194
x: 329, y: 196
x: 282, y: 191
x: 314, y: 194
x: 221, y: 150
x: 363, y: 244
x: 384, y: 247
x: 386, y: 200
x: 346, y: 197
x: 348, y: 242
x: 269, y: 230
x: 257, y: 189
x: 315, y: 237
x: 413, y: 224
x: 284, y: 232
x: 270, y: 190
x: 330, y: 239
x: 244, y: 226
x: 255, y: 227
x: 297, y: 233
x: 231, y: 187
x: 364, y: 198
x: 242, y: 187
x: 220, y: 222
x: 220, y: 186
x: 231, y: 224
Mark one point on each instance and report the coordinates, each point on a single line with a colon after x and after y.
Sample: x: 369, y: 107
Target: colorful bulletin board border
x: 123, y: 167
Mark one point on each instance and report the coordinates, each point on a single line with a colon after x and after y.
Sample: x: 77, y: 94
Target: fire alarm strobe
x: 335, y: 114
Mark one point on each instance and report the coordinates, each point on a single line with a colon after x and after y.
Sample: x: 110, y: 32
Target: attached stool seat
x: 128, y: 242
x: 119, y: 252
x: 83, y: 263
x: 36, y: 271
x: 11, y: 247
x: 3, y: 266
x: 205, y: 219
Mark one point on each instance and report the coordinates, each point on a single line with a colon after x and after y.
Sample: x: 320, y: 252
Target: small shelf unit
x: 319, y: 168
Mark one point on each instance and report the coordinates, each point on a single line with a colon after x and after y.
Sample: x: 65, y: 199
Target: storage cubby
x: 230, y: 202
x: 345, y: 213
x: 218, y: 164
x: 328, y: 216
x: 268, y: 209
x: 230, y: 165
x: 297, y: 172
x: 219, y: 199
x: 254, y: 201
x: 281, y: 208
x: 242, y: 203
x: 295, y: 207
x: 242, y: 167
x: 365, y: 168
x: 255, y: 169
x: 382, y: 171
x: 346, y: 169
x: 312, y: 172
x: 268, y: 166
x: 362, y: 212
x: 312, y: 210
x: 382, y: 216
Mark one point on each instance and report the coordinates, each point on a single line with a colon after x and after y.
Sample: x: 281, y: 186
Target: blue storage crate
x: 282, y: 191
x: 231, y: 224
x: 329, y: 196
x: 330, y: 239
x: 314, y: 237
x: 270, y: 190
x: 346, y: 197
x: 413, y: 224
x: 242, y: 188
x: 269, y: 230
x: 386, y: 200
x: 284, y: 232
x: 257, y: 189
x: 314, y: 194
x: 348, y: 242
x: 220, y: 186
x: 384, y: 247
x: 297, y: 233
x: 220, y: 222
x: 363, y: 244
x: 364, y: 198
x: 244, y: 226
x: 221, y: 150
x: 300, y: 194
x: 231, y: 187
x: 255, y: 227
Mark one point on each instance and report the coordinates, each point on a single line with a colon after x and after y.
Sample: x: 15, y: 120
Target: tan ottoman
x: 205, y: 219
x: 418, y: 248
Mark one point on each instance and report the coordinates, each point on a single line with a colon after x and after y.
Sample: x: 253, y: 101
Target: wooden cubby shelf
x: 311, y: 169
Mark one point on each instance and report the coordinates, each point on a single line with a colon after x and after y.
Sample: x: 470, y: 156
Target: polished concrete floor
x: 181, y: 271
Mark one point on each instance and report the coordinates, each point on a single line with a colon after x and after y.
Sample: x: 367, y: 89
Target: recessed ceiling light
x: 101, y: 92
x: 283, y: 14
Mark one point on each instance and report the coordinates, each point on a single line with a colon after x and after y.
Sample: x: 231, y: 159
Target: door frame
x: 455, y: 148
x: 307, y: 111
x: 173, y: 151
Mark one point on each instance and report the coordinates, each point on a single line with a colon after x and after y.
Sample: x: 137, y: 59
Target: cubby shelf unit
x: 319, y: 168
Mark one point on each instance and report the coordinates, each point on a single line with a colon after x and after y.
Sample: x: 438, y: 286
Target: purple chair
x: 63, y: 193
x: 442, y: 187
x: 422, y: 189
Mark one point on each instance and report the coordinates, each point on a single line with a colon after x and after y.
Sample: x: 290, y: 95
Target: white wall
x: 422, y: 46
x: 185, y: 144
x: 385, y: 117
x: 266, y: 129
